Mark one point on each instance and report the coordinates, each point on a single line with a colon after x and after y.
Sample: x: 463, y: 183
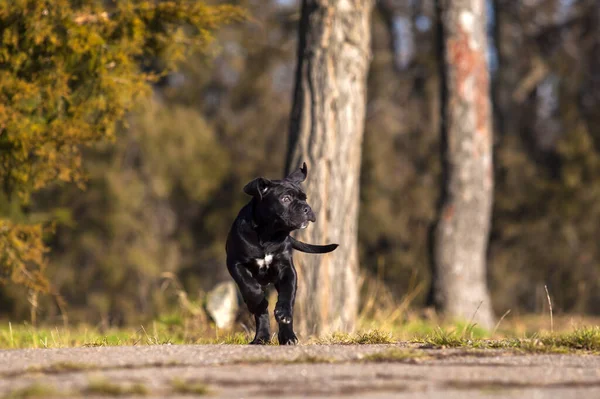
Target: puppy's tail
x: 312, y: 249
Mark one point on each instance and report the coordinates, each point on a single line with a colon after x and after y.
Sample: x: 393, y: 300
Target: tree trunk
x: 461, y: 234
x: 326, y: 131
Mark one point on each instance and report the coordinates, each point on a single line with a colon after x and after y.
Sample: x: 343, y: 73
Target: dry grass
x: 581, y: 340
x: 301, y: 359
x: 189, y: 387
x: 382, y: 320
x: 36, y: 390
x: 380, y: 309
x: 568, y: 333
x: 60, y: 367
x: 106, y: 388
x: 397, y: 355
x: 447, y: 339
x: 370, y: 337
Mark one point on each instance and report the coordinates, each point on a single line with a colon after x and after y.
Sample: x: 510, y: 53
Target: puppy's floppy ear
x: 298, y: 176
x: 258, y: 187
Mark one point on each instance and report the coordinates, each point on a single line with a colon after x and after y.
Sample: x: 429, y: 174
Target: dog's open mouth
x: 304, y: 225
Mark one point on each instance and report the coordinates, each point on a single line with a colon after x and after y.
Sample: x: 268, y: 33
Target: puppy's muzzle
x: 310, y: 217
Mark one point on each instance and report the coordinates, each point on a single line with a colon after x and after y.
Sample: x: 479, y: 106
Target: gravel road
x: 365, y: 371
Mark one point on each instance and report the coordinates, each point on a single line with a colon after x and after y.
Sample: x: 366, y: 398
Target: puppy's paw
x: 283, y: 314
x: 262, y: 337
x: 260, y: 340
x: 287, y: 338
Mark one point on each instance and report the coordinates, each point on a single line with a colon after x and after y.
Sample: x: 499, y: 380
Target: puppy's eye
x: 286, y: 199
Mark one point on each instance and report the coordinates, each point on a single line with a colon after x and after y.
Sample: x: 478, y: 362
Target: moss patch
x: 35, y: 391
x: 397, y: 355
x: 369, y: 337
x: 104, y: 387
x: 189, y: 387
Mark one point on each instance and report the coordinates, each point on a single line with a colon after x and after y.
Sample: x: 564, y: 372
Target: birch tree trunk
x: 461, y: 235
x: 326, y: 131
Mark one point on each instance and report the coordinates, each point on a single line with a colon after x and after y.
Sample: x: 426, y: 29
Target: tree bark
x: 461, y: 235
x: 326, y: 131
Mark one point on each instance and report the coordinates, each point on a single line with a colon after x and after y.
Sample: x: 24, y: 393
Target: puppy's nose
x: 309, y: 214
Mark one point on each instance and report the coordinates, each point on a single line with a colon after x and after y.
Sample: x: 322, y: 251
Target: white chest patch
x: 265, y: 262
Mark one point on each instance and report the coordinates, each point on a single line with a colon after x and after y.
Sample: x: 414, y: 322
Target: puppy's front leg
x: 284, y: 310
x: 255, y: 299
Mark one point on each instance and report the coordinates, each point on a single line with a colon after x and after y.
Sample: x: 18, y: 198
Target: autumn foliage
x: 70, y: 71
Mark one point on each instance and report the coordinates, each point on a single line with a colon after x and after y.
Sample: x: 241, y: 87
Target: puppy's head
x: 281, y: 203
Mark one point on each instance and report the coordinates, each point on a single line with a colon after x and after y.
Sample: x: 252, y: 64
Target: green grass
x: 234, y: 339
x: 229, y: 339
x: 70, y: 367
x: 35, y: 391
x: 26, y: 336
x: 420, y: 328
x: 301, y: 359
x: 447, y: 339
x: 360, y: 338
x: 582, y: 338
x: 309, y: 359
x: 534, y: 345
x: 173, y: 330
x: 586, y: 340
x: 103, y: 387
x: 60, y: 367
x: 397, y: 355
x: 189, y: 387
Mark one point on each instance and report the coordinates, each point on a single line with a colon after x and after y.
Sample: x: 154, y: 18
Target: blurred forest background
x: 149, y: 220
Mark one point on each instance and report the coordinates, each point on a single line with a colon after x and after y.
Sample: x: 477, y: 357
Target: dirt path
x: 366, y: 371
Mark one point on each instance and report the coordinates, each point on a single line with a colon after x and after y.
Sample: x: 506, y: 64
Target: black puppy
x: 259, y: 250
